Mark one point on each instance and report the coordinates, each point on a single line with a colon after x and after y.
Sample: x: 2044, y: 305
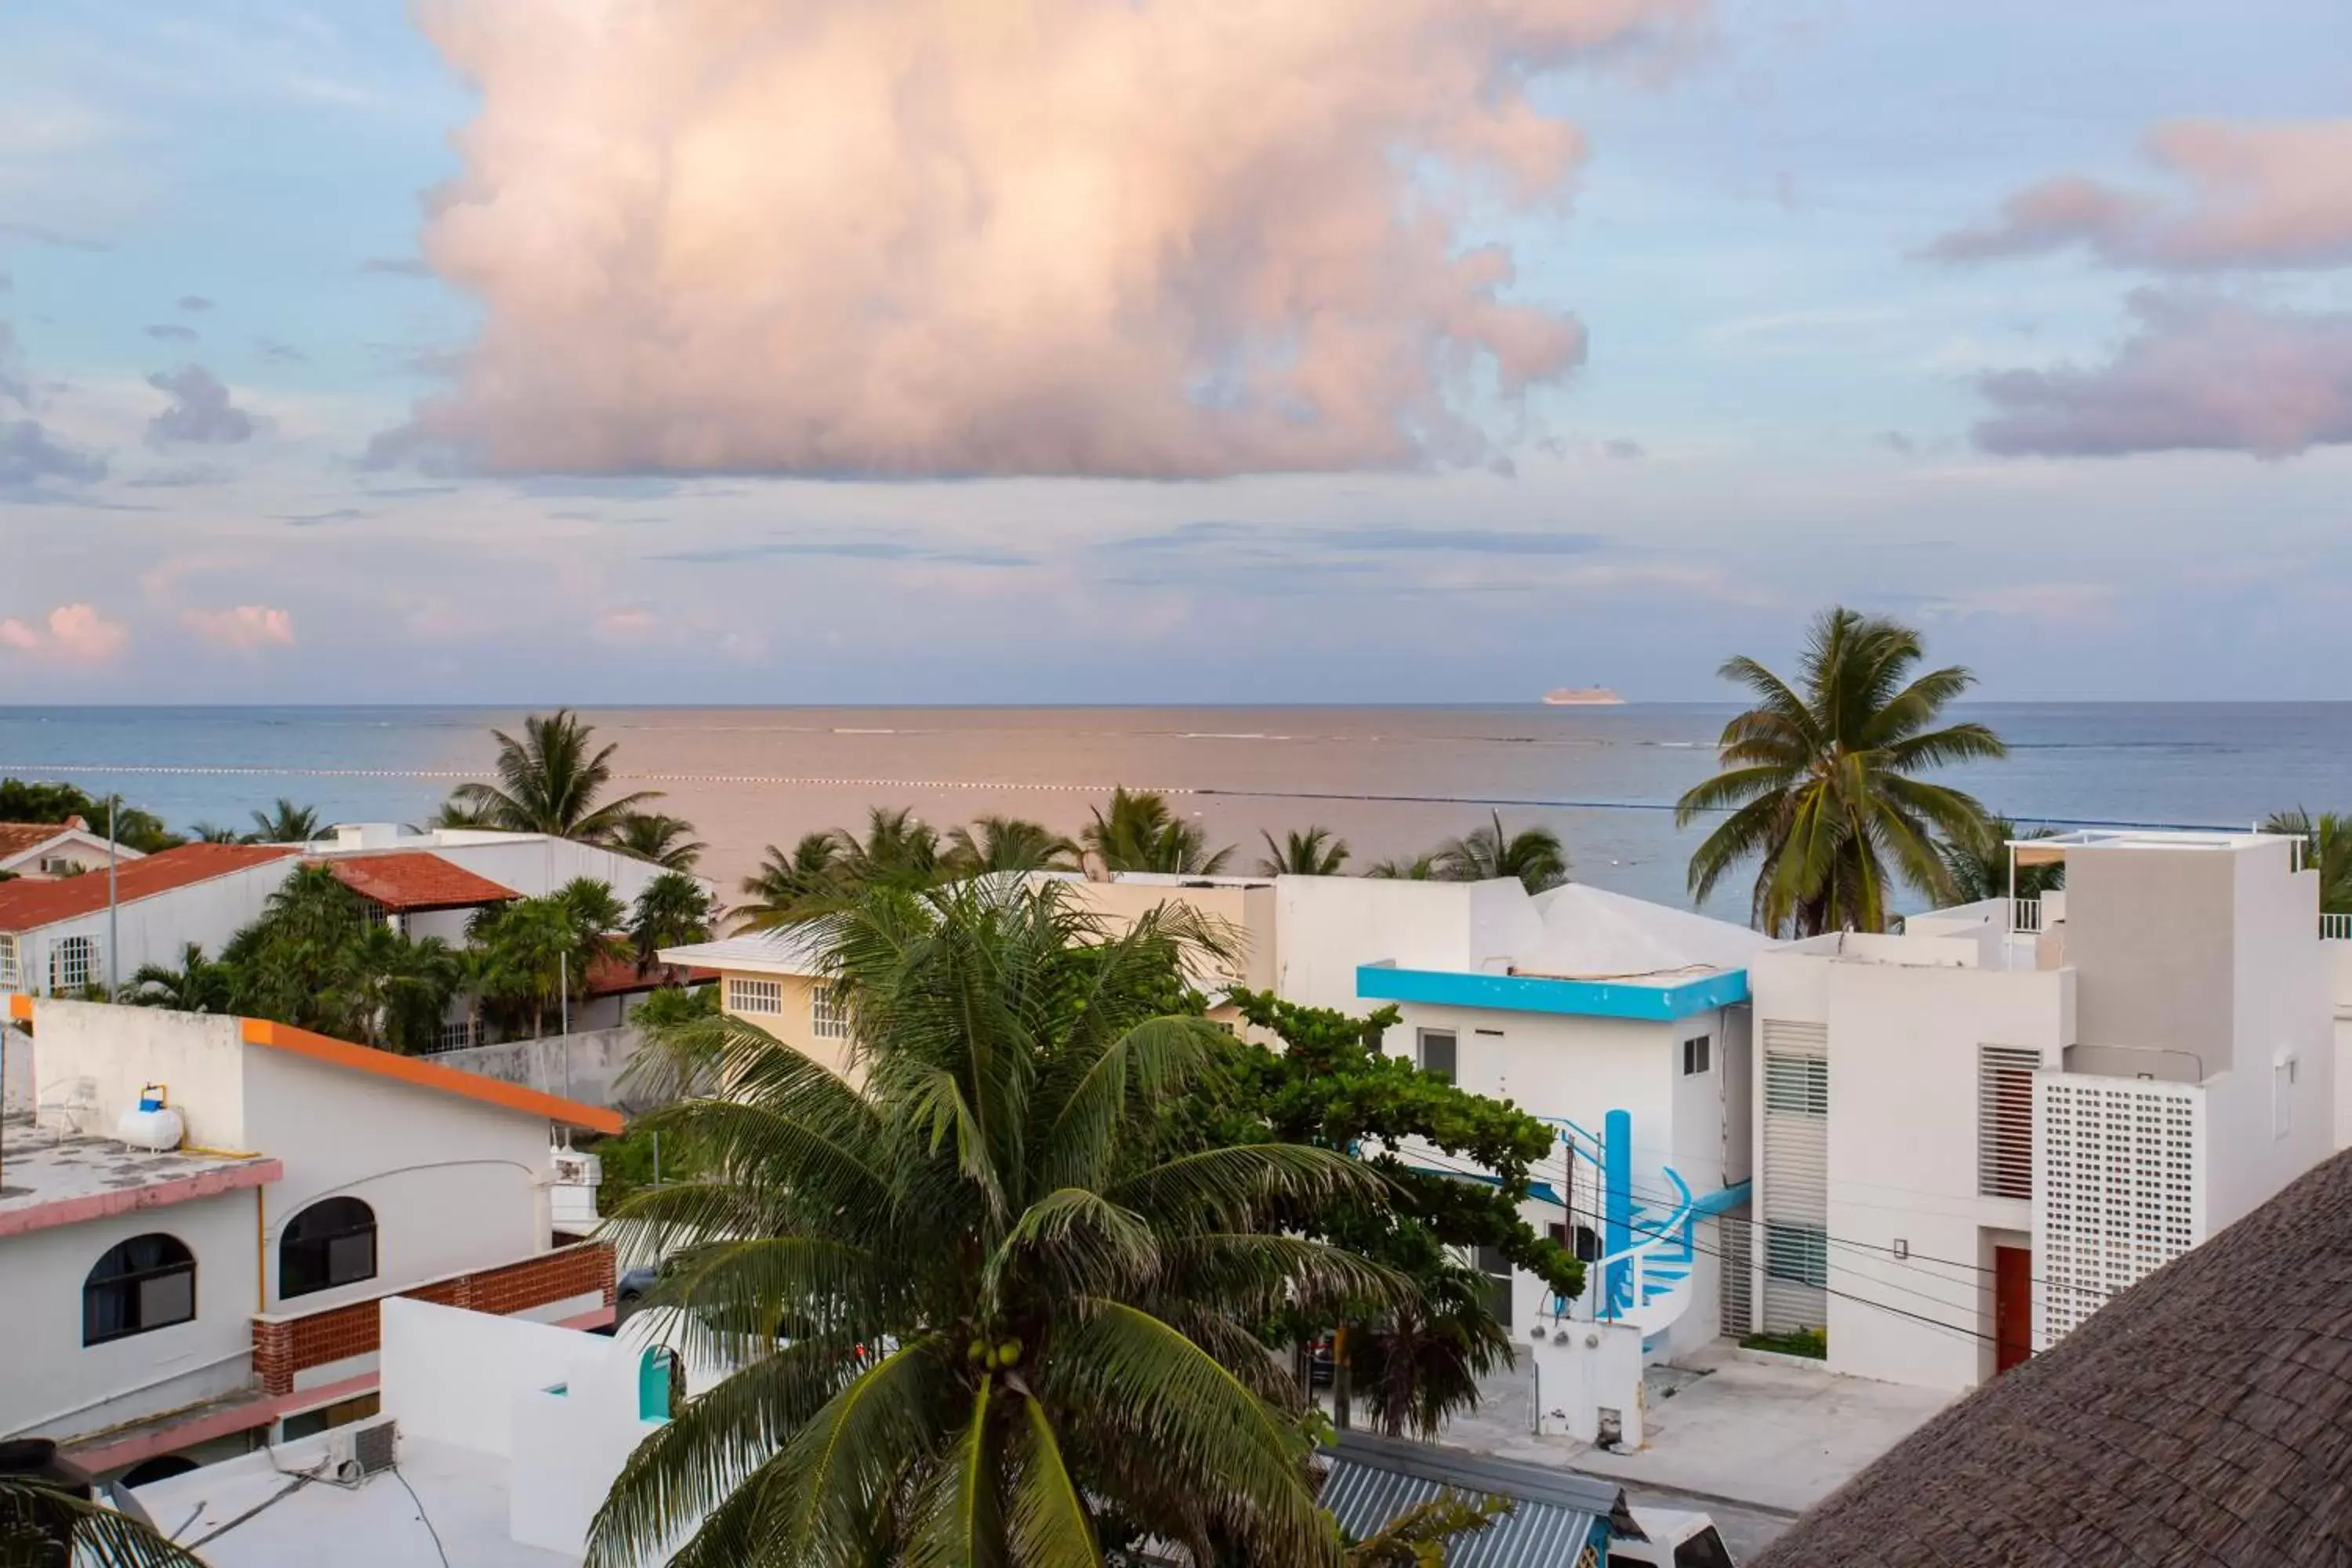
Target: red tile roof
x: 621, y: 976
x: 15, y: 837
x: 28, y: 905
x: 415, y: 879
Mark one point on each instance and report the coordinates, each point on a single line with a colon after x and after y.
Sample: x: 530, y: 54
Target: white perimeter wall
x: 54, y: 1385
x: 155, y: 929
x: 537, y: 866
x: 90, y: 1061
x: 456, y: 1185
x: 1326, y: 926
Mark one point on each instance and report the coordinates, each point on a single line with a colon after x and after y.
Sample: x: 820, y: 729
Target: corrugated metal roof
x: 1373, y: 1480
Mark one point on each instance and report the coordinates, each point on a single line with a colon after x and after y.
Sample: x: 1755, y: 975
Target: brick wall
x: 285, y: 1346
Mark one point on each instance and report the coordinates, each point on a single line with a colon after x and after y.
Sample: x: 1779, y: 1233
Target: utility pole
x: 114, y: 924
x: 564, y: 1045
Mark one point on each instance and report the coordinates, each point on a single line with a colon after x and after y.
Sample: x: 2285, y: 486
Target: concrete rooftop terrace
x: 51, y: 1177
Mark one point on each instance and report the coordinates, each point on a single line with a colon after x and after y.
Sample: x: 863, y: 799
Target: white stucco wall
x: 2338, y: 959
x: 2281, y: 1011
x: 91, y: 1060
x: 456, y: 1185
x: 157, y: 929
x: 54, y: 1385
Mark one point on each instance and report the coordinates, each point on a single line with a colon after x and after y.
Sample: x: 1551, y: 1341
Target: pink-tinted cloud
x: 2255, y: 195
x: 71, y: 634
x: 2198, y: 372
x: 629, y: 624
x: 245, y: 626
x: 1051, y: 237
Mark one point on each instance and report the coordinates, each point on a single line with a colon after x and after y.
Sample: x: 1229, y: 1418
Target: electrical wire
x: 423, y: 1518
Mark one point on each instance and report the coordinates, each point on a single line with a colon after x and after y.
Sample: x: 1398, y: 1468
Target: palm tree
x: 985, y: 1316
x: 1532, y: 854
x: 285, y: 822
x: 455, y: 813
x: 198, y: 985
x: 2328, y: 840
x: 207, y: 833
x: 1420, y: 869
x: 1318, y: 852
x: 788, y: 888
x: 289, y: 964
x: 41, y: 1522
x: 1821, y: 779
x: 667, y: 841
x: 671, y: 910
x: 899, y: 849
x: 529, y: 950
x: 1141, y: 834
x: 1007, y: 844
x: 397, y: 991
x: 1980, y: 865
x: 550, y: 781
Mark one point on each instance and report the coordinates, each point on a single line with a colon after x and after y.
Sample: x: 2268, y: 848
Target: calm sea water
x: 1391, y: 781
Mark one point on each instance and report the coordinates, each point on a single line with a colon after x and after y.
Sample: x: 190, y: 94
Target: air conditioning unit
x: 575, y: 1169
x: 355, y: 1453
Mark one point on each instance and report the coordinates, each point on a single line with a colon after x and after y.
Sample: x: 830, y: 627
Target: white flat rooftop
x: 51, y: 1177
x: 461, y: 1494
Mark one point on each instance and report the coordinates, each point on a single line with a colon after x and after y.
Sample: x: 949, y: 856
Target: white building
x: 507, y: 1434
x: 43, y: 851
x: 1972, y: 1134
x: 168, y: 1303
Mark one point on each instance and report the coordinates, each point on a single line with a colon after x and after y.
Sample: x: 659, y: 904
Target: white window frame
x: 61, y: 952
x: 11, y: 975
x: 747, y: 993
x: 1698, y: 1055
x: 829, y: 1019
x: 1421, y: 1052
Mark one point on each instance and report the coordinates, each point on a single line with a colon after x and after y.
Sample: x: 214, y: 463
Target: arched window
x: 147, y: 1283
x: 330, y: 1243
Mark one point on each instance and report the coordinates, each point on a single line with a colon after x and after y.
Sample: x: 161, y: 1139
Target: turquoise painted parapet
x: 1537, y: 993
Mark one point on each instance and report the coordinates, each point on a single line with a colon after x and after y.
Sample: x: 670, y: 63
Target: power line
x: 422, y: 1517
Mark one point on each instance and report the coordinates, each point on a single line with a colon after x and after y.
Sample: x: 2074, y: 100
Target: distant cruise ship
x: 1583, y: 697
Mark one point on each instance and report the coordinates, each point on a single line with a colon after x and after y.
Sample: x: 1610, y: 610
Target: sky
x: 1124, y: 351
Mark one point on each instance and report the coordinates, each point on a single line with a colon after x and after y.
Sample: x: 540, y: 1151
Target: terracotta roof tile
x: 620, y: 976
x: 15, y: 837
x: 2203, y: 1416
x: 28, y: 905
x: 415, y: 879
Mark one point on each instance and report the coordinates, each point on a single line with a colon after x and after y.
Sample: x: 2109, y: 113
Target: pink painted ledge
x: 129, y: 1200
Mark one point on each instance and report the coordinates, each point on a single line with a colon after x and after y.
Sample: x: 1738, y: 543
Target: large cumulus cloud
x: 2198, y: 372
x: 939, y: 237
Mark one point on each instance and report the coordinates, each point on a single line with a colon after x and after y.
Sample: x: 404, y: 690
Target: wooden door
x: 2013, y: 1306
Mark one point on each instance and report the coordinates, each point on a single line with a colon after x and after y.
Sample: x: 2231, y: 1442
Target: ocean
x: 1391, y: 781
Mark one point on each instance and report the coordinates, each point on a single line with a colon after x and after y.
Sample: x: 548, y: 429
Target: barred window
x: 754, y: 995
x: 2005, y: 1121
x: 1797, y: 1086
x: 1799, y: 1254
x: 828, y: 1019
x: 73, y: 964
x: 9, y: 978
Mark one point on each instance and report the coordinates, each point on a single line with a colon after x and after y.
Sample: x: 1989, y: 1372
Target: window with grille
x: 829, y: 1019
x: 2119, y: 1191
x: 455, y: 1036
x: 9, y: 978
x: 754, y: 995
x: 73, y: 964
x: 1797, y: 1086
x: 146, y: 1283
x: 330, y: 1243
x: 1440, y: 1053
x: 1697, y: 1055
x: 2005, y: 1121
x: 1799, y: 1254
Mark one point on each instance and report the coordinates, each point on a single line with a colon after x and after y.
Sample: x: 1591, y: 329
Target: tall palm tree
x: 899, y: 849
x: 455, y: 813
x: 1007, y: 844
x: 1139, y: 833
x: 670, y: 912
x: 285, y: 822
x: 396, y: 991
x: 1317, y: 852
x: 2329, y: 840
x: 987, y: 1317
x: 198, y: 985
x: 550, y: 782
x: 209, y: 833
x: 791, y: 887
x: 1821, y: 779
x: 667, y: 841
x: 1533, y: 855
x: 1980, y: 866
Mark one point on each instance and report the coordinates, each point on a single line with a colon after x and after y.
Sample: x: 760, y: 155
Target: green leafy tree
x: 792, y: 887
x: 1532, y: 854
x: 671, y: 910
x: 1316, y: 852
x: 1420, y: 869
x: 457, y: 813
x: 1821, y: 779
x: 285, y: 822
x: 1139, y: 833
x: 898, y: 850
x: 397, y: 991
x: 1331, y: 1087
x: 1007, y: 844
x: 1979, y: 864
x: 198, y: 985
x: 667, y: 841
x: 293, y: 963
x: 2329, y: 841
x: 1013, y: 1312
x: 23, y: 800
x: 553, y: 780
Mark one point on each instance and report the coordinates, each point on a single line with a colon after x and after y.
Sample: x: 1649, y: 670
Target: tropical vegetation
x: 1822, y: 781
x: 997, y: 1306
x: 42, y: 1523
x: 25, y: 800
x: 285, y: 822
x: 667, y: 841
x: 1316, y: 852
x: 2327, y: 840
x: 1980, y: 864
x: 1139, y: 833
x: 551, y: 780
